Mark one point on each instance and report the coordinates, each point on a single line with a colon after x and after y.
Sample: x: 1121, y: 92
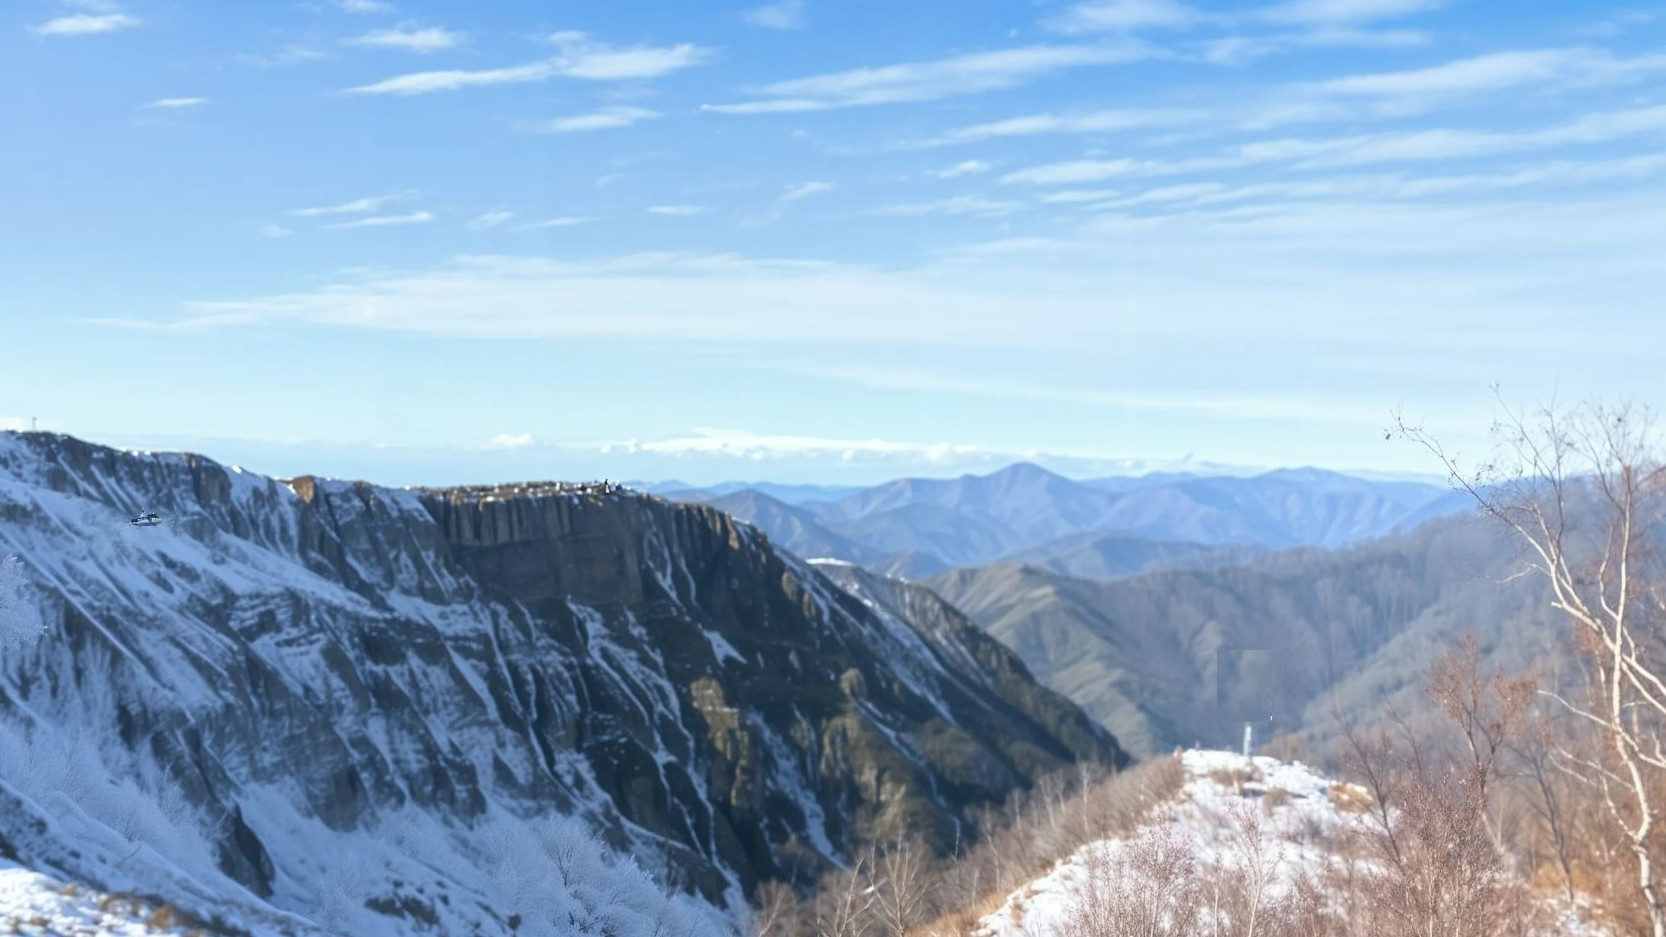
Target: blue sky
x: 435, y: 242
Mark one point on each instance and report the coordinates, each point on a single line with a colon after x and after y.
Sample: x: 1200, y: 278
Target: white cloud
x: 1237, y: 407
x: 1336, y: 274
x: 1446, y: 144
x: 358, y: 206
x: 564, y: 221
x: 1241, y: 50
x: 174, y: 103
x: 1402, y: 146
x: 929, y: 81
x: 805, y: 190
x: 86, y: 24
x: 1107, y: 121
x: 1344, y: 12
x: 517, y: 441
x: 955, y: 205
x: 597, y: 61
x: 275, y: 231
x: 410, y: 38
x: 1125, y: 16
x: 681, y: 211
x: 970, y: 167
x: 578, y: 57
x: 1080, y: 171
x: 741, y: 444
x: 489, y: 220
x: 788, y: 14
x: 607, y: 118
x: 364, y: 6
x: 1493, y: 72
x: 1075, y: 196
x: 1393, y: 187
x: 382, y: 221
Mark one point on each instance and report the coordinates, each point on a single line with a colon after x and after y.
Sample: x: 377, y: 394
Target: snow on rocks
x: 1296, y: 807
x: 31, y: 903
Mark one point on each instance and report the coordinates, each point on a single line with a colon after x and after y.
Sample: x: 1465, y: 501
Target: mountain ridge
x: 315, y: 660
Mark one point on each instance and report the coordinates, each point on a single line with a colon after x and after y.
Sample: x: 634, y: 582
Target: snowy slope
x: 1294, y: 814
x: 1202, y: 818
x: 321, y: 706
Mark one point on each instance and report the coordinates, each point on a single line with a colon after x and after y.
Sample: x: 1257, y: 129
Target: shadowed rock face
x: 356, y: 651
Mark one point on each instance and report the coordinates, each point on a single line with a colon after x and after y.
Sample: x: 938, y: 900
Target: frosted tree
x: 21, y: 621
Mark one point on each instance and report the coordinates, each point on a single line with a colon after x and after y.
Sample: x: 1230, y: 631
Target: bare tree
x: 778, y: 912
x: 847, y: 902
x: 1586, y: 494
x: 1488, y: 710
x: 900, y: 904
x: 1533, y: 754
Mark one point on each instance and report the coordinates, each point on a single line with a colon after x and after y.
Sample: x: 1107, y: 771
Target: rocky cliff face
x: 362, y: 696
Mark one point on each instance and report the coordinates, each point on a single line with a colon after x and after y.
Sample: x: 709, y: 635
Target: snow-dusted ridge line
x: 1300, y: 812
x: 353, y: 682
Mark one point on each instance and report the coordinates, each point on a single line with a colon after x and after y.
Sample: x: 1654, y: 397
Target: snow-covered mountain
x: 309, y: 705
x: 1264, y: 846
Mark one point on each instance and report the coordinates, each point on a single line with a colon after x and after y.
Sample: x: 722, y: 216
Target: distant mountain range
x: 1099, y: 528
x: 1180, y: 657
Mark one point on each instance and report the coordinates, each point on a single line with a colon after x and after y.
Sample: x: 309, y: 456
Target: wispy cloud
x: 174, y: 103
x: 364, y: 6
x: 928, y: 81
x: 679, y: 211
x: 563, y: 221
x: 86, y: 24
x: 1125, y: 16
x: 1107, y: 121
x: 1344, y: 12
x: 1410, y: 146
x: 489, y: 220
x: 382, y: 221
x: 508, y: 441
x: 410, y: 38
x: 788, y: 14
x: 805, y: 190
x: 970, y: 167
x: 358, y: 206
x: 579, y: 57
x: 1493, y: 72
x: 1246, y: 407
x: 275, y: 231
x: 1244, y: 49
x: 954, y: 205
x: 607, y: 118
x: 1080, y: 171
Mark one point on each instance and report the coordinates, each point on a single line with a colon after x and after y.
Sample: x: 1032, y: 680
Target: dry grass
x: 162, y: 918
x: 1350, y: 798
x: 1234, y: 778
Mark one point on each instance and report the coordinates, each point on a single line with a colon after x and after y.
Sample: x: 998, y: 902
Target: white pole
x: 1249, y: 727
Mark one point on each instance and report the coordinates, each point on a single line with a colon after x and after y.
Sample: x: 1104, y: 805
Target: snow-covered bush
x: 555, y: 876
x: 21, y: 620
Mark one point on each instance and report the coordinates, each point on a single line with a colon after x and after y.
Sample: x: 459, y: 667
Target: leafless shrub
x: 1149, y: 888
x: 846, y: 902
